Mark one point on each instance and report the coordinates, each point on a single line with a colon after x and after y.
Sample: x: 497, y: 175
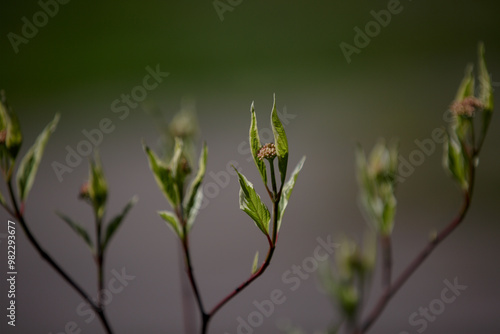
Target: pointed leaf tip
x: 164, y: 177
x: 80, y: 231
x: 28, y: 167
x: 255, y: 146
x: 172, y: 222
x: 255, y: 264
x: 280, y: 141
x: 115, y: 223
x: 287, y: 190
x: 194, y: 198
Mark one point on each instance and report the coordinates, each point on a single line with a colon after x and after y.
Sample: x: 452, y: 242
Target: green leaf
x: 172, y: 222
x: 485, y: 91
x: 115, y: 223
x: 190, y: 201
x: 466, y: 87
x: 389, y: 212
x: 198, y: 199
x: 10, y: 124
x: 177, y: 155
x: 255, y: 146
x: 164, y: 178
x: 14, y: 136
x: 98, y: 188
x: 29, y: 164
x: 287, y: 190
x: 251, y: 203
x: 255, y: 264
x: 454, y: 161
x: 280, y: 141
x: 78, y: 229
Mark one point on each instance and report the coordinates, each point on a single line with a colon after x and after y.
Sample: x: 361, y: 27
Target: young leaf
x: 98, y: 188
x: 280, y: 141
x: 287, y: 190
x: 485, y: 91
x: 177, y: 155
x: 190, y: 199
x: 389, y: 210
x: 255, y: 146
x: 198, y: 199
x: 14, y: 136
x: 164, y: 178
x: 255, y: 264
x: 172, y: 222
x: 29, y: 164
x: 10, y: 124
x: 78, y: 229
x: 454, y: 162
x: 251, y: 203
x: 115, y: 223
x: 466, y: 87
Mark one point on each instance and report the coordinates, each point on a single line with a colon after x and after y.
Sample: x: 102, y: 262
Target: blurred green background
x: 90, y: 53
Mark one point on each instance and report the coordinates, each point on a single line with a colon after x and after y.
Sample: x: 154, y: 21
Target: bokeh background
x: 399, y: 86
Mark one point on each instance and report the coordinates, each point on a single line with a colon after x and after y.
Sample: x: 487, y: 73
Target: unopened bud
x: 84, y: 191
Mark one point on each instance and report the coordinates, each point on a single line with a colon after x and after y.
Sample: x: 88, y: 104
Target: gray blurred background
x: 398, y: 86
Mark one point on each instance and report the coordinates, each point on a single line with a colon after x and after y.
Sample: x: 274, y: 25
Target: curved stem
x: 391, y: 290
x: 207, y: 316
x: 242, y: 286
x: 54, y: 265
x: 257, y: 274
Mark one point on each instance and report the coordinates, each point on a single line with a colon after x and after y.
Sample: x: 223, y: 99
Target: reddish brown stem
x: 391, y: 290
x: 19, y: 215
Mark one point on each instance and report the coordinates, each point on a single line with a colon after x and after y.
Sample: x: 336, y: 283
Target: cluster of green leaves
x: 377, y: 177
x: 171, y: 178
x: 250, y: 201
x: 11, y: 140
x: 95, y: 192
x: 377, y: 183
x: 345, y: 282
x: 468, y: 131
x: 172, y: 174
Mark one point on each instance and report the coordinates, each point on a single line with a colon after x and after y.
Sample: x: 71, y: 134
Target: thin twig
x: 54, y: 265
x: 275, y: 198
x: 415, y: 264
